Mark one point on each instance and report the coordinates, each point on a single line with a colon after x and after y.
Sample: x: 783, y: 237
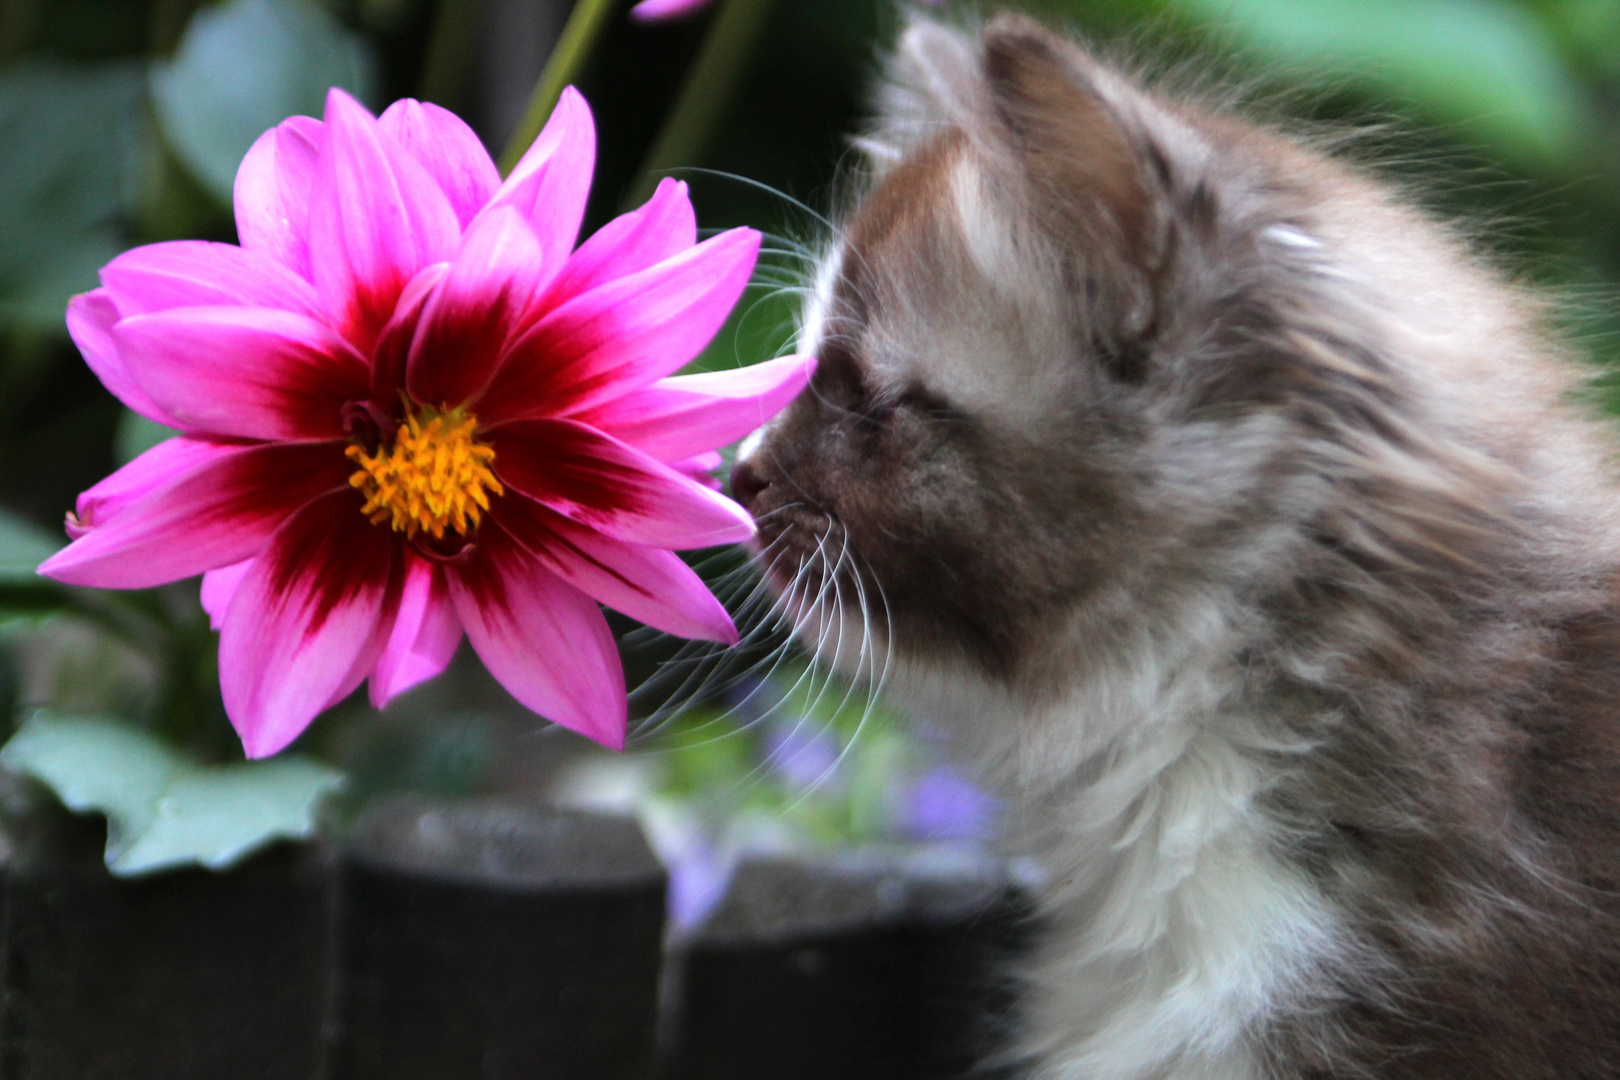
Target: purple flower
x: 697, y: 881
x: 943, y: 806
x: 802, y: 753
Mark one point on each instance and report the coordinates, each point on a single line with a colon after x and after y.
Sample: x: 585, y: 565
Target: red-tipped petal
x: 195, y: 273
x: 610, y: 487
x: 663, y: 227
x: 304, y: 619
x: 376, y: 218
x: 91, y: 317
x: 542, y: 639
x: 392, y: 354
x: 551, y: 183
x: 648, y: 584
x: 424, y: 637
x: 464, y: 330
x: 155, y: 469
x: 680, y: 417
x: 244, y: 372
x: 447, y: 148
x: 625, y: 334
x: 215, y: 514
x: 272, y: 192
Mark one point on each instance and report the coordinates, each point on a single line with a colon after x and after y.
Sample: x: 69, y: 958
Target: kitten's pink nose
x: 746, y: 483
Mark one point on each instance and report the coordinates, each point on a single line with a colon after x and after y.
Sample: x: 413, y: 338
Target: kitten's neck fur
x: 1180, y: 785
x: 1137, y: 791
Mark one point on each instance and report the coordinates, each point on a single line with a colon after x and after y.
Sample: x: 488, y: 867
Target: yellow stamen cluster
x: 435, y: 475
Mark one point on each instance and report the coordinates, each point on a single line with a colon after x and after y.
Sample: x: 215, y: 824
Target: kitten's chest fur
x: 1173, y: 927
x: 1265, y: 864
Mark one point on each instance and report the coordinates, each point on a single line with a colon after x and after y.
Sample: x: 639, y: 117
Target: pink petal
x: 248, y: 372
x: 389, y: 359
x: 663, y: 227
x: 663, y: 10
x: 193, y: 273
x: 210, y: 515
x: 448, y: 150
x: 604, y: 484
x: 467, y: 322
x: 542, y: 639
x: 90, y: 320
x: 304, y: 620
x: 154, y: 469
x: 550, y: 184
x: 376, y: 217
x: 272, y: 192
x: 678, y: 417
x: 425, y: 634
x: 623, y: 335
x: 647, y: 584
x: 365, y: 660
x: 701, y: 467
x: 218, y: 587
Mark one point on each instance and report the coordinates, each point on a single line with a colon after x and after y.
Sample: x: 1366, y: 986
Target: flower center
x: 434, y: 476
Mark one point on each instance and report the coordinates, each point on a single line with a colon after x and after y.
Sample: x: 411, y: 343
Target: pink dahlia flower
x: 664, y: 10
x: 410, y: 409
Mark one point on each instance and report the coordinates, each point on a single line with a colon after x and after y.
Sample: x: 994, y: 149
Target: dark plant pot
x: 473, y: 940
x: 176, y: 975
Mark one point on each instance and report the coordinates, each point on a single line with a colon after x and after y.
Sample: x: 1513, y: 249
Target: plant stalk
x: 18, y: 21
x: 721, y: 63
x: 450, y: 44
x: 580, y: 36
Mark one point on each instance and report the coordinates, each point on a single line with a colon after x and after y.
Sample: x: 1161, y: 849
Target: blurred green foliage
x: 164, y: 809
x: 121, y: 122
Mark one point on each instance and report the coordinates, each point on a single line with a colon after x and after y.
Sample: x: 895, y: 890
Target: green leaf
x: 80, y: 134
x: 1488, y: 66
x: 135, y: 435
x: 215, y: 815
x: 244, y: 67
x: 26, y: 599
x: 163, y: 809
x: 23, y: 546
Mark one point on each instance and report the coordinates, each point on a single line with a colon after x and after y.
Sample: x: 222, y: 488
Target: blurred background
x: 122, y: 122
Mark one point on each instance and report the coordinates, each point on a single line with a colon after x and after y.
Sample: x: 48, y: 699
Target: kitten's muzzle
x: 747, y: 484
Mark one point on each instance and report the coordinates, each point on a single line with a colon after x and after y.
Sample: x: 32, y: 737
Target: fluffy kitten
x: 1241, y: 523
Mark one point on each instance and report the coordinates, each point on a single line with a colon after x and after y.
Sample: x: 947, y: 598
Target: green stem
x: 579, y: 39
x: 18, y: 19
x: 450, y: 43
x: 720, y: 65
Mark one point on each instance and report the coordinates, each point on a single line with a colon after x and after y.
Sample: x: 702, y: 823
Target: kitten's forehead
x: 930, y: 280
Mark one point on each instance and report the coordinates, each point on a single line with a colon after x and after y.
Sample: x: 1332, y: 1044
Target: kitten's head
x: 1088, y: 357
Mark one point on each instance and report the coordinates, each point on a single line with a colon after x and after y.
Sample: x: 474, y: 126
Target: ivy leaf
x: 244, y: 67
x: 25, y: 597
x: 23, y: 546
x: 164, y: 809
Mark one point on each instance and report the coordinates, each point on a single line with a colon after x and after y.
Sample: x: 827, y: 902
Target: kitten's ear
x: 1079, y: 151
x: 928, y: 87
